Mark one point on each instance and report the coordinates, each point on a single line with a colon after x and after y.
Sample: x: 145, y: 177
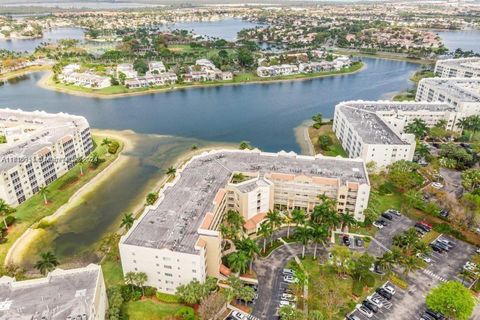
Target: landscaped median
x: 239, y: 78
x: 29, y: 214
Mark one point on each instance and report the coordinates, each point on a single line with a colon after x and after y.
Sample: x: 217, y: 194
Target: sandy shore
x: 46, y: 79
x: 17, y: 250
x: 21, y: 72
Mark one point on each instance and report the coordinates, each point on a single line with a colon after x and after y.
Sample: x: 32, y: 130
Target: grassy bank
x: 30, y: 212
x: 151, y: 310
x: 382, y: 55
x: 21, y: 72
x: 242, y: 78
x: 333, y: 150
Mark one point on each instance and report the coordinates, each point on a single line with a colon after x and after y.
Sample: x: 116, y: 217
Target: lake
x: 264, y: 114
x: 465, y: 40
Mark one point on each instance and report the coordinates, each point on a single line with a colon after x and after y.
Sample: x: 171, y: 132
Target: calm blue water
x: 226, y: 29
x: 48, y: 36
x: 465, y: 40
x: 264, y: 114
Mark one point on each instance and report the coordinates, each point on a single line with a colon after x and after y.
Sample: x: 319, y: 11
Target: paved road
x: 270, y: 284
x: 385, y: 235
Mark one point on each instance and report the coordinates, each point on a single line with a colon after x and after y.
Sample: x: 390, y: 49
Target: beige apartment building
x: 39, y: 148
x: 178, y: 239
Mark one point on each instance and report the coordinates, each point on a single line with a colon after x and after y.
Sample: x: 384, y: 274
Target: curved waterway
x: 264, y: 114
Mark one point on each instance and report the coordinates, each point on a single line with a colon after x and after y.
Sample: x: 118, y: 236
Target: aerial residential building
x: 458, y: 68
x: 374, y: 130
x: 462, y: 93
x: 178, y: 239
x: 156, y: 67
x: 127, y: 69
x: 85, y: 79
x: 205, y: 70
x: 40, y: 148
x: 77, y: 294
x: 161, y: 79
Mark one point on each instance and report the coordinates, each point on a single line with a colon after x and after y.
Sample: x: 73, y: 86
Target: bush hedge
x: 167, y: 298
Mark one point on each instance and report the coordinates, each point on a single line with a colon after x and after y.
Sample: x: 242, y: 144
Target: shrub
x: 447, y: 229
x: 9, y: 220
x: 150, y: 291
x: 325, y: 141
x: 399, y: 282
x: 369, y: 280
x: 137, y: 294
x: 386, y: 188
x: 127, y: 292
x: 151, y: 198
x: 167, y: 298
x: 317, y: 125
x: 43, y: 224
x: 357, y: 288
x: 113, y: 147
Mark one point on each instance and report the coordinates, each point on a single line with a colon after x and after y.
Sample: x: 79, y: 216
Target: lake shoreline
x: 46, y: 83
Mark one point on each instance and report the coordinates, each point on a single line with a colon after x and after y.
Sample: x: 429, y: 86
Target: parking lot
x: 384, y: 236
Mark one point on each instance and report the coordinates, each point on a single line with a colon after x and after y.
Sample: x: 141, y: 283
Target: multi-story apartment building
x: 178, y: 239
x: 39, y: 148
x: 462, y: 93
x: 458, y: 68
x: 374, y: 130
x: 77, y: 294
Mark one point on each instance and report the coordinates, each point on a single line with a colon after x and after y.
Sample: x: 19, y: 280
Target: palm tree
x: 80, y: 161
x: 140, y: 280
x: 304, y: 236
x: 130, y: 278
x: 409, y: 264
x: 264, y: 231
x: 319, y: 234
x: 347, y: 220
x: 287, y: 219
x: 250, y: 247
x: 171, y: 171
x: 47, y: 262
x: 298, y: 217
x: 127, y: 221
x: 422, y: 150
x: 106, y: 142
x: 238, y: 261
x: 44, y: 192
x: 274, y: 219
x: 417, y: 127
x: 5, y: 209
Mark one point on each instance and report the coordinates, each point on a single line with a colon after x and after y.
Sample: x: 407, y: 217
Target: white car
x: 446, y: 242
x: 290, y: 279
x: 289, y: 272
x: 436, y: 185
x: 288, y: 297
x: 389, y: 288
x: 365, y: 311
x: 378, y: 225
x: 239, y: 316
x: 286, y: 303
x: 424, y: 258
x: 376, y: 301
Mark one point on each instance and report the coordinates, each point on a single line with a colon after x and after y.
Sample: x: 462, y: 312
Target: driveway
x: 270, y: 279
x: 384, y: 236
x: 452, y: 181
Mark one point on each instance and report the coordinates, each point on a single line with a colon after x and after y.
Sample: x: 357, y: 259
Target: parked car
x: 443, y: 213
x: 359, y: 242
x: 390, y: 288
x: 290, y: 279
x: 437, y: 185
x: 384, y: 293
x: 436, y: 248
x: 365, y: 311
x: 370, y: 306
x: 387, y: 216
x: 352, y: 317
x: 378, y: 224
x: 442, y: 245
x: 346, y: 240
x: 449, y: 243
x: 421, y: 231
x: 288, y: 297
x: 435, y: 315
x: 289, y: 272
x: 423, y: 226
x: 425, y: 223
x: 426, y: 316
x: 393, y: 211
x: 424, y: 257
x: 286, y: 303
x: 376, y: 301
x: 375, y: 268
x: 237, y: 315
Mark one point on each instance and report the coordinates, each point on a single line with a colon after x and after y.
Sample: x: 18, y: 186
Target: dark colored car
x: 426, y: 316
x: 359, y: 242
x: 384, y: 293
x: 422, y: 226
x: 346, y: 240
x: 387, y: 216
x: 370, y: 306
x: 436, y: 248
x: 442, y: 245
x: 435, y: 315
x: 443, y: 213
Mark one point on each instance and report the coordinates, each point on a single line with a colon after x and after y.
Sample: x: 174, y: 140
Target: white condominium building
x: 77, y: 294
x: 462, y: 93
x: 374, y: 130
x: 178, y: 239
x: 458, y: 68
x: 39, y: 148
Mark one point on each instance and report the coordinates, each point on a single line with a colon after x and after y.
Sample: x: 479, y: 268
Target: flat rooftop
x: 61, y: 294
x: 36, y: 130
x: 173, y: 224
x: 366, y: 117
x: 464, y: 89
x: 465, y: 63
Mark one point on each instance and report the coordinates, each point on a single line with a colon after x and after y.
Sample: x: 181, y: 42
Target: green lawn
x: 60, y: 191
x: 328, y: 292
x: 335, y: 149
x: 150, y: 310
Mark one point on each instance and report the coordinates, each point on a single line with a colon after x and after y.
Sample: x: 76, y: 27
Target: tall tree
x: 298, y: 217
x: 48, y: 261
x: 417, y: 127
x: 127, y: 221
x: 44, y: 192
x: 274, y: 218
x: 303, y: 235
x: 264, y: 231
x: 238, y: 261
x: 451, y: 299
x: 5, y: 209
x: 250, y: 247
x: 80, y: 161
x: 140, y: 279
x: 319, y: 234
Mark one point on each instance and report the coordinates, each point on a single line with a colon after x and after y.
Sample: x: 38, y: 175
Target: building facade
x: 76, y: 294
x: 458, y: 68
x: 178, y: 239
x: 39, y: 148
